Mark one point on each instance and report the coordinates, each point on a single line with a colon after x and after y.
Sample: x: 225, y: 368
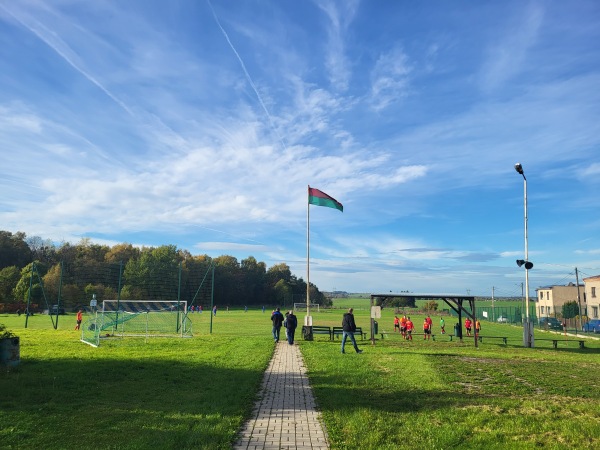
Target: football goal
x: 302, y: 307
x: 137, y: 318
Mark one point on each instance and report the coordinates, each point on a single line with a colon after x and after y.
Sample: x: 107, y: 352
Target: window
x: 542, y: 295
x: 541, y: 310
x: 595, y: 312
x: 593, y: 292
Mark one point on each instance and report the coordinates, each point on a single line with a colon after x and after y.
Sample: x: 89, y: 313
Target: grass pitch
x: 196, y: 393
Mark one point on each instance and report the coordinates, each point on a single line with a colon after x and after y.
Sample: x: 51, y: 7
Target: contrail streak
x: 239, y: 58
x: 62, y: 48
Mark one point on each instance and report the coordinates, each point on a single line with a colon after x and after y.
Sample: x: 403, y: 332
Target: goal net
x: 302, y: 307
x: 141, y: 318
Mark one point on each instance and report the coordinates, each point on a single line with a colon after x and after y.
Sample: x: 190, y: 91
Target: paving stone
x: 285, y: 415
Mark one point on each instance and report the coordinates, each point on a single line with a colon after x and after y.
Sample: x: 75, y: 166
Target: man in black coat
x: 349, y: 327
x: 291, y: 323
x: 277, y: 319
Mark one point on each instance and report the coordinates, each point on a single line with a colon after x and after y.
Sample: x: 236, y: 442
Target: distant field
x: 362, y: 303
x: 196, y: 393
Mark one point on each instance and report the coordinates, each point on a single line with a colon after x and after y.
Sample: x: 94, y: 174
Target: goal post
x: 302, y: 307
x: 138, y: 318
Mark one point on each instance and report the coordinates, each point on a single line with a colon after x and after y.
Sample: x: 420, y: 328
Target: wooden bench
x: 322, y: 330
x: 318, y: 330
x: 338, y: 331
x: 504, y: 338
x: 464, y: 336
x: 421, y: 334
x: 555, y: 342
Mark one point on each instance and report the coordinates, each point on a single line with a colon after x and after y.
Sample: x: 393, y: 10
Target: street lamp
x: 527, y: 328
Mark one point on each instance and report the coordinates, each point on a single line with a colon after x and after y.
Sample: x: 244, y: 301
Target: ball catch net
x: 138, y: 318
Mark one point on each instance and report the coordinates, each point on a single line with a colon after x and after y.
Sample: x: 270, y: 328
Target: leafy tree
x: 155, y: 275
x: 254, y: 273
x: 279, y: 272
x: 570, y: 310
x: 431, y: 305
x: 229, y: 287
x: 283, y: 294
x: 122, y: 253
x: 14, y: 251
x: 85, y: 269
x: 42, y: 250
x: 52, y: 280
x: 195, y: 271
x: 9, y: 277
x: 102, y: 292
x: 21, y: 290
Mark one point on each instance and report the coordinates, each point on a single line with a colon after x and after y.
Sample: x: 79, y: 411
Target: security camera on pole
x: 528, y: 338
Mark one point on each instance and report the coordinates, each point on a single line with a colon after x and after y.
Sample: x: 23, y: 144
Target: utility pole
x: 579, y: 300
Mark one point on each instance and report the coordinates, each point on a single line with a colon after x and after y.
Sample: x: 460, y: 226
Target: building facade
x: 550, y: 299
x: 592, y: 295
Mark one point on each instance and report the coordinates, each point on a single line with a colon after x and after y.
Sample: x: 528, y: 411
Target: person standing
x: 468, y: 325
x: 443, y: 325
x: 396, y: 324
x: 477, y: 327
x: 291, y: 323
x: 349, y: 327
x: 287, y: 313
x: 426, y: 329
x: 403, y: 326
x: 215, y: 310
x: 409, y: 327
x: 79, y: 319
x: 277, y: 319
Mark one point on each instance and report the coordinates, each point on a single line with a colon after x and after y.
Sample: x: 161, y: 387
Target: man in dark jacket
x: 349, y: 327
x: 277, y: 319
x: 291, y: 322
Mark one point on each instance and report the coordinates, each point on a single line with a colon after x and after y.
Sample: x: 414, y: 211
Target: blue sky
x: 201, y: 124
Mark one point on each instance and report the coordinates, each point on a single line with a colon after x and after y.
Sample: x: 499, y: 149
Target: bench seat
x: 338, y: 331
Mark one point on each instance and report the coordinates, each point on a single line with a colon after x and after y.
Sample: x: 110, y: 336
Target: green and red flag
x: 320, y: 198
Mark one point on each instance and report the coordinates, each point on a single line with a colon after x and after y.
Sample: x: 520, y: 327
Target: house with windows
x: 550, y: 299
x: 592, y: 295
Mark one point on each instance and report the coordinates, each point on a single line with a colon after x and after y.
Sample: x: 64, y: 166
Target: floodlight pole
x: 527, y: 329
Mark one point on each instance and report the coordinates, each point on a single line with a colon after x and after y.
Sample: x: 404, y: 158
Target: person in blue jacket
x: 277, y: 319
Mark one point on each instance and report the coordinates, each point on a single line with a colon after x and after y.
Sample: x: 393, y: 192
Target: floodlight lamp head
x: 528, y: 265
x: 519, y: 168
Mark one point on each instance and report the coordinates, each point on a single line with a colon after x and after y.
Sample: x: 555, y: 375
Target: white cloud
x: 389, y: 79
x: 508, y: 54
x: 340, y: 16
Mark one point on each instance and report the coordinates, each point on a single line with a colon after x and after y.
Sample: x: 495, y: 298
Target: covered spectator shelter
x: 459, y: 303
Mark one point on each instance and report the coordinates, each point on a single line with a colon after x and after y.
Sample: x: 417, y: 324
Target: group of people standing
x: 289, y: 322
x: 405, y: 326
x: 469, y: 326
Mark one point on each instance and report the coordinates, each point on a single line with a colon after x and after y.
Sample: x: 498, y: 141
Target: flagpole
x: 307, y: 254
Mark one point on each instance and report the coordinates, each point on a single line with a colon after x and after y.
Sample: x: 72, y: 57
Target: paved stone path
x: 284, y: 417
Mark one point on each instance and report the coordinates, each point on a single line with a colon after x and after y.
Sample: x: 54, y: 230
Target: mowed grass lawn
x: 196, y: 393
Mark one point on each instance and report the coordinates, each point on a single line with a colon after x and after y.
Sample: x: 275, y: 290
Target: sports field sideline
x: 196, y: 393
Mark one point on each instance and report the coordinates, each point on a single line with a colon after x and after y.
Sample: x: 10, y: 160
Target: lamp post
x: 527, y: 328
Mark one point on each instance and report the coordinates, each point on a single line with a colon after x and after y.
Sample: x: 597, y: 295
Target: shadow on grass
x: 123, y: 403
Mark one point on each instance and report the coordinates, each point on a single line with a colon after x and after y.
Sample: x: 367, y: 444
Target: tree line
x: 70, y: 274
